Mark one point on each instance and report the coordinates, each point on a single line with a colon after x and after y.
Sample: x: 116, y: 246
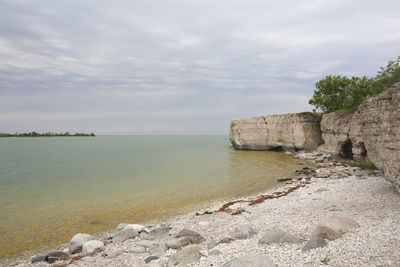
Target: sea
x: 54, y: 187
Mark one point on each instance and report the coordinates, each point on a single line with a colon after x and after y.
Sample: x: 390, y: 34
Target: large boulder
x: 252, y: 260
x: 184, y: 257
x: 287, y: 131
x: 77, y: 241
x: 334, y: 227
x: 278, y: 236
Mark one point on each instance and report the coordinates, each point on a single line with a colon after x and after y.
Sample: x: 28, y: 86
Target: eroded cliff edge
x: 372, y: 132
x: 286, y: 131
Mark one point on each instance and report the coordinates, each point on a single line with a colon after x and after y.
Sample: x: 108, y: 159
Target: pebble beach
x: 334, y: 215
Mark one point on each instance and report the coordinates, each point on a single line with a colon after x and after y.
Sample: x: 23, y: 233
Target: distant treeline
x: 35, y: 134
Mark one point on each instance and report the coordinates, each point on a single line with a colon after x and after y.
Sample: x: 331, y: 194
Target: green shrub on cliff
x: 342, y: 93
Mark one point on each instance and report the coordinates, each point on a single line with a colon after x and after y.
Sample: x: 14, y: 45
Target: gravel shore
x: 332, y: 189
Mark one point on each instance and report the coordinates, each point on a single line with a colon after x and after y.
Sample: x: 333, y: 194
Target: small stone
x: 114, y: 252
x: 226, y: 240
x: 243, y: 232
x: 179, y: 242
x: 123, y: 235
x: 146, y: 243
x: 150, y: 259
x: 214, y: 252
x: 138, y: 250
x: 158, y: 233
x: 57, y: 256
x: 195, y: 238
x: 252, y: 260
x: 158, y: 250
x: 92, y: 246
x: 211, y: 245
x: 314, y: 242
x: 39, y: 258
x: 136, y: 227
x: 204, y: 223
x: 321, y: 189
x: 77, y: 241
x: 184, y: 257
x: 278, y: 236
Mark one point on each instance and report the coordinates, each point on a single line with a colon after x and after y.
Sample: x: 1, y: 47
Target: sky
x: 179, y: 67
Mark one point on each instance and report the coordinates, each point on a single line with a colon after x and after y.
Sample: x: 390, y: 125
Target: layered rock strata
x: 287, y: 131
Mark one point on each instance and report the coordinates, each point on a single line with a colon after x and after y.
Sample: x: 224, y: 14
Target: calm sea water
x: 53, y: 188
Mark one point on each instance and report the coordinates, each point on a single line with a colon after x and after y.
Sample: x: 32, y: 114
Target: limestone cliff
x: 379, y: 121
x: 373, y: 131
x: 287, y: 131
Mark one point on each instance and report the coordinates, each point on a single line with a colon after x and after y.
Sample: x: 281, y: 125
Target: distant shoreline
x: 35, y: 134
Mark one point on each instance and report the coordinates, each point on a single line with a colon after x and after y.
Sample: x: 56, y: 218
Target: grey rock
x: 179, y: 242
x: 77, y: 241
x: 146, y: 243
x: 150, y: 259
x: 333, y: 227
x: 314, y: 242
x: 114, y: 252
x: 252, y: 260
x: 243, y: 232
x: 136, y: 227
x: 187, y: 255
x: 214, y: 252
x: 212, y: 245
x: 158, y: 250
x: 195, y: 238
x: 39, y: 258
x: 57, y: 256
x: 92, y: 246
x: 157, y: 233
x: 123, y: 235
x: 138, y: 250
x: 278, y: 236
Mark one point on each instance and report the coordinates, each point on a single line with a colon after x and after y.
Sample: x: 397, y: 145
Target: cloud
x: 179, y: 66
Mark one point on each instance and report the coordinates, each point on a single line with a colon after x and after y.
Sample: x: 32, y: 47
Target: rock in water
x: 243, y: 232
x: 252, y: 260
x: 278, y: 236
x: 125, y: 234
x: 314, y: 242
x: 334, y: 227
x: 92, y: 246
x: 57, y: 256
x: 186, y: 256
x: 194, y: 237
x: 77, y: 241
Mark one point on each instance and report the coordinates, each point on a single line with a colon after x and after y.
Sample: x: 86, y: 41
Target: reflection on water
x: 53, y: 188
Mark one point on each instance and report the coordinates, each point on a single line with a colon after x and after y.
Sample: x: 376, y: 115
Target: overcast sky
x: 179, y: 67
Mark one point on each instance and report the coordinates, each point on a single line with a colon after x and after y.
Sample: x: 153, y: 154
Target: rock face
x: 287, y: 131
x: 373, y: 131
x: 379, y: 118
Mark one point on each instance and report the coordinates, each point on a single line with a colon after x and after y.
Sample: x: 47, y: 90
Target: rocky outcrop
x: 379, y: 121
x: 335, y: 128
x: 287, y: 131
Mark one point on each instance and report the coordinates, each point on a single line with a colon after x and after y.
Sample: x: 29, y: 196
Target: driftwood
x: 257, y: 200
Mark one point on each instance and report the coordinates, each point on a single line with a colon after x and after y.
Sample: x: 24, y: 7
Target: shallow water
x: 53, y: 188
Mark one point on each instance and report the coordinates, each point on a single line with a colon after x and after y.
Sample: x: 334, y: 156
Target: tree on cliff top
x: 335, y: 93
